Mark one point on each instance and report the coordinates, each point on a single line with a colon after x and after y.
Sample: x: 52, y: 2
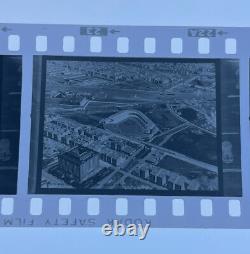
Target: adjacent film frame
x: 93, y: 210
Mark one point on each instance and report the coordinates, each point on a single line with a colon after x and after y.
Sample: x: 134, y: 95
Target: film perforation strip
x: 224, y: 46
x: 68, y: 44
x: 121, y: 207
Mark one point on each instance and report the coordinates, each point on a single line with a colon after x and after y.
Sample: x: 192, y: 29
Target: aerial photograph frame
x: 154, y: 192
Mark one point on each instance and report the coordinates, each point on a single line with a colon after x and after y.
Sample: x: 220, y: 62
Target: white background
x: 127, y: 12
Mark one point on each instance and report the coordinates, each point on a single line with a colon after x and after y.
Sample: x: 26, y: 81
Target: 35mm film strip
x: 140, y: 124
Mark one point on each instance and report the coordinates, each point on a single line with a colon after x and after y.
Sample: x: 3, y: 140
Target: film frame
x: 41, y: 210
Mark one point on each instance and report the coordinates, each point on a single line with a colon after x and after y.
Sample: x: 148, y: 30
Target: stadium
x: 131, y: 123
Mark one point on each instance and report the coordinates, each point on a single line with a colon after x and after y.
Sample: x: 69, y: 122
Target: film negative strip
x: 139, y: 124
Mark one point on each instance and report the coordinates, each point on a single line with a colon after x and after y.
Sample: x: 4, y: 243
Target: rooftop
x: 81, y: 152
